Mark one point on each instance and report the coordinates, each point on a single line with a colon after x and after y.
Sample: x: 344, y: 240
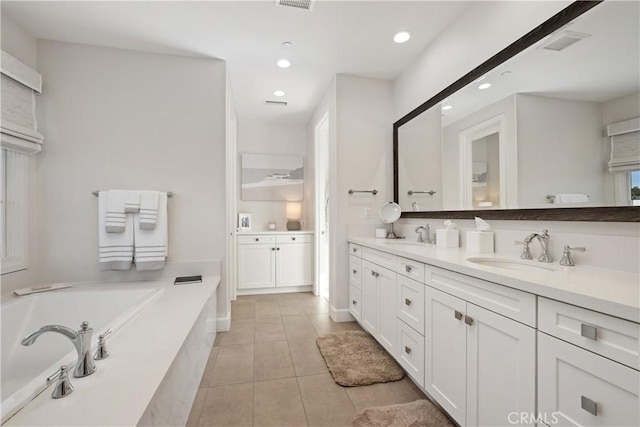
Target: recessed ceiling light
x: 401, y: 37
x: 287, y: 44
x: 279, y: 93
x: 484, y: 86
x: 447, y: 107
x: 283, y: 63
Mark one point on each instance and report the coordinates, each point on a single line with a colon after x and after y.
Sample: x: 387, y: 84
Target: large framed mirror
x: 547, y: 129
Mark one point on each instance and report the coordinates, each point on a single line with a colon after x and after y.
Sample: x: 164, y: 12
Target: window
x: 635, y: 187
x: 13, y: 213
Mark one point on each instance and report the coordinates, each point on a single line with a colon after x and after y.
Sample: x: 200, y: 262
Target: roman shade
x: 19, y: 85
x: 625, y: 146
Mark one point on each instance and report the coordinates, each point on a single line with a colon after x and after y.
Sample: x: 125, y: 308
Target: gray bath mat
x: 420, y: 413
x: 354, y: 358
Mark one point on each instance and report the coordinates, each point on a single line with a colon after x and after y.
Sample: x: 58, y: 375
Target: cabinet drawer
x: 410, y: 268
x: 355, y: 304
x: 512, y: 303
x: 355, y: 250
x: 582, y: 388
x: 410, y: 303
x: 355, y: 271
x: 608, y: 336
x: 381, y: 258
x: 244, y: 240
x: 411, y: 351
x: 297, y: 238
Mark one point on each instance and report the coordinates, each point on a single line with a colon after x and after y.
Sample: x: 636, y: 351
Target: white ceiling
x: 349, y: 37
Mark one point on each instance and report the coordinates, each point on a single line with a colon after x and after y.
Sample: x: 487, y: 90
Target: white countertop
x: 611, y: 292
x: 273, y: 232
x: 118, y: 393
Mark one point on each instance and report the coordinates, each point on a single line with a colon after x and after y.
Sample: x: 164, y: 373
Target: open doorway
x: 322, y: 194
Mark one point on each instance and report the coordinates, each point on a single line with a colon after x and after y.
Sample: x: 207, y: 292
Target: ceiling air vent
x: 298, y: 4
x: 282, y: 103
x: 564, y: 40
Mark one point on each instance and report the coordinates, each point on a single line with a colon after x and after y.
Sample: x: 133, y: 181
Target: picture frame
x: 272, y: 177
x: 244, y: 222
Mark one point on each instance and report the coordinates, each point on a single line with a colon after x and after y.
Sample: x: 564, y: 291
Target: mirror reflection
x: 555, y: 126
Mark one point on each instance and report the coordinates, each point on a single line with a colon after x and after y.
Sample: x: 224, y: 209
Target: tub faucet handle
x: 102, y: 352
x: 63, y: 386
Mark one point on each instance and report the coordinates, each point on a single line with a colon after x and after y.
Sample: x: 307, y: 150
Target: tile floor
x: 267, y: 370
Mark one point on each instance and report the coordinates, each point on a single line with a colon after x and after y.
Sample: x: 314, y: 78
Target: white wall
x: 270, y: 138
x: 560, y: 150
x: 621, y: 109
x: 18, y: 43
x: 115, y: 118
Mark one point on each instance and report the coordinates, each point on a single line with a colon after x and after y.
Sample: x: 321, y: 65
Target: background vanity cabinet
x: 355, y: 281
x: 582, y: 377
x: 479, y: 365
x: 275, y: 260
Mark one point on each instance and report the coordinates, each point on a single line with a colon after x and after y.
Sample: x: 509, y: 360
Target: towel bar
x: 374, y: 192
x: 95, y: 193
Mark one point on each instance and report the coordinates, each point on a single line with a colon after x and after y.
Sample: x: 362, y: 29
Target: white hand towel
x: 115, y: 250
x: 115, y: 215
x: 151, y: 246
x: 132, y: 202
x: 148, y: 209
x: 572, y: 198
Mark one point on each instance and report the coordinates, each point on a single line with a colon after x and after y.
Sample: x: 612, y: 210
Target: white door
x: 501, y: 368
x: 257, y: 266
x: 369, y: 297
x: 445, y: 352
x: 294, y: 264
x: 387, y: 309
x: 322, y: 207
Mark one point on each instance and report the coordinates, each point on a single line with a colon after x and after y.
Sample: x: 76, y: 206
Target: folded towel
x: 572, y: 198
x: 148, y: 209
x: 115, y: 215
x: 132, y: 202
x: 151, y: 246
x: 115, y: 250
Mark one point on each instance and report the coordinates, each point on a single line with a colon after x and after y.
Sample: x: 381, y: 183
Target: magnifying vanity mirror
x: 548, y: 129
x: 389, y: 213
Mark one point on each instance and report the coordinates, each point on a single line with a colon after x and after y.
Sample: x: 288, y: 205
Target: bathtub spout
x: 81, y: 341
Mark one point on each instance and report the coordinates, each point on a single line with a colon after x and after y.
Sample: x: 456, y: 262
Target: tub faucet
x: 81, y: 341
x: 543, y: 238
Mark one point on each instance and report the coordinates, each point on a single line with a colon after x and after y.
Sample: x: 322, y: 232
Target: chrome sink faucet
x: 543, y: 238
x: 81, y: 341
x: 427, y: 235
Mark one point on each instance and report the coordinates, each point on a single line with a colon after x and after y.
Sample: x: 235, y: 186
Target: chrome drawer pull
x: 355, y: 271
x: 458, y: 315
x: 354, y: 302
x: 407, y: 301
x: 293, y: 238
x: 374, y: 274
x: 589, y: 405
x: 468, y: 320
x: 407, y: 349
x: 355, y: 250
x: 589, y: 331
x: 257, y: 240
x: 407, y: 268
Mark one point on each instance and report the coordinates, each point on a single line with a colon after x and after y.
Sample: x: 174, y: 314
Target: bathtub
x: 144, y: 346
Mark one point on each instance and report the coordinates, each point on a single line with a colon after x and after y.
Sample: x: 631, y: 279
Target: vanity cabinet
x: 479, y: 365
x: 275, y: 262
x: 378, y: 315
x: 585, y: 362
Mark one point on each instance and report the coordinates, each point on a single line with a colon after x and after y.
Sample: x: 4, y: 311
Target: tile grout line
x: 304, y: 408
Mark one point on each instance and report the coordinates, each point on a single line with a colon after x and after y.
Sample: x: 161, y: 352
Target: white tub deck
x: 142, y: 352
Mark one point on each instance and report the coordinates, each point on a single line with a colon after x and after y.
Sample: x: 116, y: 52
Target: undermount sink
x: 512, y: 264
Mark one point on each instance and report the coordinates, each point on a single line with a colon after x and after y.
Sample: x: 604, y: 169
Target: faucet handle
x: 63, y: 387
x: 566, y: 255
x: 526, y: 252
x: 102, y: 352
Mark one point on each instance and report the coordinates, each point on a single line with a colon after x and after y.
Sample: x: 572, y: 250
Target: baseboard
x: 341, y: 315
x: 282, y: 290
x: 223, y: 324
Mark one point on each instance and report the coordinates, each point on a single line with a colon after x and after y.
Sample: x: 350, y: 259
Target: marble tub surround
x: 616, y: 293
x: 168, y: 339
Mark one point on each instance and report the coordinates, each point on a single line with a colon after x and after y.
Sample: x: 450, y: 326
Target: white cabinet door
x: 580, y: 388
x: 386, y: 309
x: 501, y: 368
x: 257, y: 266
x: 445, y: 352
x: 294, y: 264
x: 369, y: 298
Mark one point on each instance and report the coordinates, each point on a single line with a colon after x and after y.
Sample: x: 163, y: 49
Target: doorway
x: 322, y: 200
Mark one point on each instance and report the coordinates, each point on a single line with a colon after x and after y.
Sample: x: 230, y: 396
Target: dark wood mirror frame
x: 601, y: 214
